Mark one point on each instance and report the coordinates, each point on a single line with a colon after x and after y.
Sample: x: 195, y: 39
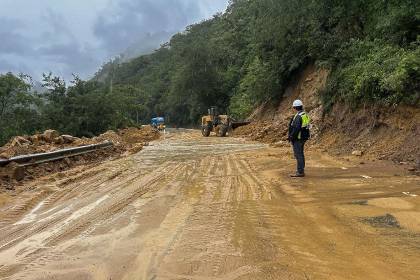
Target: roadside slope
x: 378, y: 132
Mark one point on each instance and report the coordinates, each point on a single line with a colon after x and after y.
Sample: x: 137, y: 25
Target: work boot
x: 297, y: 175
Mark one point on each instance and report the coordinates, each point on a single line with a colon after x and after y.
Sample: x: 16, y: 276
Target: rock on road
x: 189, y: 207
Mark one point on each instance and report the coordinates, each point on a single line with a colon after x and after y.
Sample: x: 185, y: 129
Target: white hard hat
x: 297, y: 103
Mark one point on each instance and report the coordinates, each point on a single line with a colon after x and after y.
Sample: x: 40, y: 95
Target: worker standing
x: 298, y: 135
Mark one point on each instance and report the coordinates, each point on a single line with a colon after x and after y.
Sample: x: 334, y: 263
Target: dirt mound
x: 264, y: 131
x: 126, y: 141
x: 270, y: 122
x: 390, y: 133
x: 136, y: 135
x: 50, y: 140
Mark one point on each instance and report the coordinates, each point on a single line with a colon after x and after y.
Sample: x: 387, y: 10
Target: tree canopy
x: 236, y: 61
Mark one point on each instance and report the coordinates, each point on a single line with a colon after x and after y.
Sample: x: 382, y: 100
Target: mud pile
x: 271, y: 121
x: 51, y: 140
x: 374, y: 132
x: 264, y: 131
x: 126, y: 141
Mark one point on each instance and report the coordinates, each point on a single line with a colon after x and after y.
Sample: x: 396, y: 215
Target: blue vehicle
x: 158, y: 123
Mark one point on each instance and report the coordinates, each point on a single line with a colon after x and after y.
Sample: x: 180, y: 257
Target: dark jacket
x: 295, y: 126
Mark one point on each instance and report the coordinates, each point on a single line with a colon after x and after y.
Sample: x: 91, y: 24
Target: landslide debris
x: 126, y: 141
x: 374, y: 132
x: 264, y: 131
x: 270, y: 121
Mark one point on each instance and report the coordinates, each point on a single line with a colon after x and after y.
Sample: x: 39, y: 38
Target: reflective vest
x: 305, y: 123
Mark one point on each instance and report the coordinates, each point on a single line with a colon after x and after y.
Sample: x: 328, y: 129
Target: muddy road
x: 187, y: 207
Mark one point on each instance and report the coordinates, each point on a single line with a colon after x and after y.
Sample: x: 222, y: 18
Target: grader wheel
x: 205, y: 131
x: 222, y: 130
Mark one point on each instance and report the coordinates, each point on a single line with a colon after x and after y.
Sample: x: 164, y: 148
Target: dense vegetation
x: 237, y: 60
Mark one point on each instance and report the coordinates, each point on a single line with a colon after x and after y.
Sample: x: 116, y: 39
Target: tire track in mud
x: 14, y: 213
x: 261, y: 234
x: 218, y: 207
x: 209, y: 261
x: 105, y: 209
x: 10, y: 237
x: 171, y: 243
x: 258, y: 220
x: 52, y: 194
x: 162, y: 243
x: 244, y: 182
x: 205, y: 190
x: 94, y: 180
x: 102, y: 212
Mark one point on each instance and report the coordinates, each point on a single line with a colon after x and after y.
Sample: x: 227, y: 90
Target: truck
x: 158, y: 123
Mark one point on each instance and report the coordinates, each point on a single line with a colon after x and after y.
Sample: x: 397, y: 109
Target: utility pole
x: 112, y: 79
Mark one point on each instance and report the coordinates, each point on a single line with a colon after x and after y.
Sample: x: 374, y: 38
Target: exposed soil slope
x: 270, y: 120
x: 383, y: 133
x: 377, y: 132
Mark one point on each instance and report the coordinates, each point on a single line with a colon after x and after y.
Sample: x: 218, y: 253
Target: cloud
x: 71, y: 56
x: 147, y: 23
x: 12, y: 41
x: 51, y: 46
x: 77, y: 38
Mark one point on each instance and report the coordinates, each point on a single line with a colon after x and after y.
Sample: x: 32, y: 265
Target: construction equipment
x: 222, y: 125
x: 158, y: 123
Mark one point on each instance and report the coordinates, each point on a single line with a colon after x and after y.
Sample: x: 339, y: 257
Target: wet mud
x: 188, y: 207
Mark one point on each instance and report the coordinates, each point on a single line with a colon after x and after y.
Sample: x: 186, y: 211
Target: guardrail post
x: 13, y: 171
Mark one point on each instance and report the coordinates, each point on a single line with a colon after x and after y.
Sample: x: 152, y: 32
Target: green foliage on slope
x: 376, y: 72
x: 246, y: 56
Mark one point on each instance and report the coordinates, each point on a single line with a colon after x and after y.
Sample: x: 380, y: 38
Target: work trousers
x: 298, y: 150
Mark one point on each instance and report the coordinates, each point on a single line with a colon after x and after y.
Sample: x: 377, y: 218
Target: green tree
x: 18, y: 107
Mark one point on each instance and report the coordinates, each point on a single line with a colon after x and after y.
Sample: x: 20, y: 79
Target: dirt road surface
x: 189, y: 207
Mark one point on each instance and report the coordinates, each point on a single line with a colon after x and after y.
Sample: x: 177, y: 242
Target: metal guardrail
x: 34, y: 159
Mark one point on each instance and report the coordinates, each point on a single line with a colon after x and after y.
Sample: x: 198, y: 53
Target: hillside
x: 377, y: 132
x: 241, y: 59
x: 238, y: 60
x: 88, y: 190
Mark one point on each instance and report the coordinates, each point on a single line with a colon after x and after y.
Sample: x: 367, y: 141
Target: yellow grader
x: 222, y: 125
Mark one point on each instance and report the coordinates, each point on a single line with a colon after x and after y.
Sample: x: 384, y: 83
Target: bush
x: 375, y: 72
x: 241, y: 106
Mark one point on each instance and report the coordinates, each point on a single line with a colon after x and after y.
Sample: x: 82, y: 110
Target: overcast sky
x: 77, y: 36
